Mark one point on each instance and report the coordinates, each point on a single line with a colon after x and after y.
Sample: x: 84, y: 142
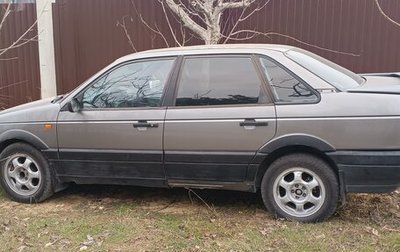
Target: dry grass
x: 105, y: 218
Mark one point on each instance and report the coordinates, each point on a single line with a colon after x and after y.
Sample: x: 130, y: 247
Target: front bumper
x: 368, y: 171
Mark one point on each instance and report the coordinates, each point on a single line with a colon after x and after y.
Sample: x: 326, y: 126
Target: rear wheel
x: 300, y: 187
x: 25, y: 174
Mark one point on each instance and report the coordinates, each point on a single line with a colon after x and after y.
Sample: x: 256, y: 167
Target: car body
x: 250, y: 117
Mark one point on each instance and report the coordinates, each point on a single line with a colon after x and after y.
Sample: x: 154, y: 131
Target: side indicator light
x: 48, y: 126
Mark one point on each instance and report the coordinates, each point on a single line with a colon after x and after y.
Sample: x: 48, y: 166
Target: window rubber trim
x: 269, y: 101
x: 78, y: 95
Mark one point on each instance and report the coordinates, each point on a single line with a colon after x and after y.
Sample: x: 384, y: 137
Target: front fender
x: 22, y: 135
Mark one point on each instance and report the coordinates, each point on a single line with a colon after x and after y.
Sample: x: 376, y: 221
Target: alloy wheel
x: 22, y: 174
x: 299, y: 192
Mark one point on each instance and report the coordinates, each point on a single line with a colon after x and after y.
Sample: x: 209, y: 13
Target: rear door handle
x: 145, y: 124
x: 253, y: 122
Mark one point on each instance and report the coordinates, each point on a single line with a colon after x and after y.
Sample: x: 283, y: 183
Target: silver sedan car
x: 273, y: 119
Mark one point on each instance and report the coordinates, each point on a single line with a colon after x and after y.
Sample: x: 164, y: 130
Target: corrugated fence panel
x: 355, y: 27
x: 19, y: 68
x: 88, y: 38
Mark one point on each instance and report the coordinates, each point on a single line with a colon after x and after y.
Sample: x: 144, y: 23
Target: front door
x: 221, y: 117
x: 118, y: 135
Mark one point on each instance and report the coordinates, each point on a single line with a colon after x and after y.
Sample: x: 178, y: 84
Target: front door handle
x: 145, y: 124
x: 253, y: 123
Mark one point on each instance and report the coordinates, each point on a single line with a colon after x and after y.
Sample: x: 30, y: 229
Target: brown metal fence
x: 87, y: 37
x: 19, y: 68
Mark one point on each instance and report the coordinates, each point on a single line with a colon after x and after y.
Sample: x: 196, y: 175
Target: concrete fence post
x: 46, y: 48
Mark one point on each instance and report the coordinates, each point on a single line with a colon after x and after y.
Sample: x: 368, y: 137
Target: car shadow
x: 216, y: 198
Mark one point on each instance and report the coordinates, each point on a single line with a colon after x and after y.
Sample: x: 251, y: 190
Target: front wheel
x: 25, y: 174
x: 300, y: 187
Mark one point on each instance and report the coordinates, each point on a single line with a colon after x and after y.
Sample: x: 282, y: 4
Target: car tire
x: 25, y: 174
x: 300, y: 187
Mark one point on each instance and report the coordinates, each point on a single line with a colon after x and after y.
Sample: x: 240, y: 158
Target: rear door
x: 221, y: 116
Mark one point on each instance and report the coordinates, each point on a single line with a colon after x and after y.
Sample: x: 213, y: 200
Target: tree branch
x: 385, y: 15
x: 7, y: 12
x: 155, y: 30
x: 127, y: 35
x: 243, y: 18
x: 268, y: 34
x: 235, y: 5
x: 21, y: 40
x: 186, y: 20
x: 170, y: 26
x: 9, y: 59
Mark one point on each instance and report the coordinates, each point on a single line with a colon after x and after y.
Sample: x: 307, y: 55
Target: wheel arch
x: 17, y: 135
x: 287, y: 150
x: 294, y: 143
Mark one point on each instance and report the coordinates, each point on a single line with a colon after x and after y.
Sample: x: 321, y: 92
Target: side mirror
x: 74, y: 105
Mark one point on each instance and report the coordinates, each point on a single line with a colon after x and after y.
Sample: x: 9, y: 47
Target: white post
x: 46, y: 48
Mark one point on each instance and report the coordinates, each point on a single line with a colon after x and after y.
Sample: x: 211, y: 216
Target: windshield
x: 330, y: 72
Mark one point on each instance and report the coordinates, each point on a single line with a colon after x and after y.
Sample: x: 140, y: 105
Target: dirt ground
x: 112, y: 218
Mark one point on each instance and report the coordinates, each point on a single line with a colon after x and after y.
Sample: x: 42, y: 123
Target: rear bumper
x: 368, y: 171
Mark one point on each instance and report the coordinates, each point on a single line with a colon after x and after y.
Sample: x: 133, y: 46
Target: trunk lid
x: 380, y: 83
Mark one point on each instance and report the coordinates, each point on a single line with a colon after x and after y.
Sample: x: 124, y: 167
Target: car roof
x: 205, y: 49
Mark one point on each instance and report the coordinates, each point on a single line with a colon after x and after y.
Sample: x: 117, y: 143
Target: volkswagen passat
x: 271, y: 118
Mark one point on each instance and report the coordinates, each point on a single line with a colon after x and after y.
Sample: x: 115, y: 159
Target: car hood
x: 37, y: 111
x: 383, y: 83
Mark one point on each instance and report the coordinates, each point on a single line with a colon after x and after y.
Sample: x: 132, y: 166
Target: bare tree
x: 210, y: 21
x: 204, y: 17
x: 201, y: 19
x: 386, y: 15
x: 22, y: 39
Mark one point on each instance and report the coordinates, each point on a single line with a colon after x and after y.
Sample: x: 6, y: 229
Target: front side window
x: 285, y: 86
x: 137, y: 84
x: 219, y: 81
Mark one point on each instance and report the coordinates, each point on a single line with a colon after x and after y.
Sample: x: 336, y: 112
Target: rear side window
x: 219, y: 81
x: 286, y: 87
